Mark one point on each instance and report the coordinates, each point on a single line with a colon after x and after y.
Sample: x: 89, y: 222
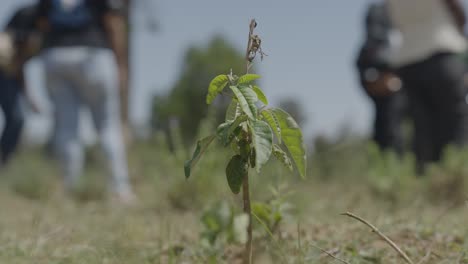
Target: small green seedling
x: 253, y: 132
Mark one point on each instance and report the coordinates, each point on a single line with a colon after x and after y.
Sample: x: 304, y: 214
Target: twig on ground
x: 434, y: 253
x: 330, y: 254
x: 427, y: 256
x: 384, y: 237
x: 443, y: 214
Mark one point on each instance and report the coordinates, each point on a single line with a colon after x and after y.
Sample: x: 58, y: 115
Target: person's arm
x: 17, y: 71
x: 27, y: 95
x: 112, y: 15
x: 16, y: 29
x: 456, y: 9
x: 115, y: 29
x: 27, y: 45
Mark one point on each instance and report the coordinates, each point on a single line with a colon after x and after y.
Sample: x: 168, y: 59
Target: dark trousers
x: 438, y: 101
x: 390, y: 112
x: 10, y: 104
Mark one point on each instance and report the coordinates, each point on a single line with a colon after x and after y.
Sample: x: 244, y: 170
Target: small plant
x: 390, y: 176
x: 270, y: 214
x: 221, y: 222
x: 253, y: 132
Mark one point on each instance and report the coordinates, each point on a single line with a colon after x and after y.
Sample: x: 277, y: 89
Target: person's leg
x: 448, y: 97
x: 395, y: 115
x: 381, y: 132
x: 387, y: 124
x: 101, y: 94
x: 399, y: 113
x: 423, y: 142
x: 13, y: 116
x: 421, y: 114
x: 66, y: 141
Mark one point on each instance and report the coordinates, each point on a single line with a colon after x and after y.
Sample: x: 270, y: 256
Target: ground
x: 39, y: 223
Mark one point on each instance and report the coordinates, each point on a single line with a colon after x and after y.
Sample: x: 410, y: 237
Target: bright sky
x: 311, y: 47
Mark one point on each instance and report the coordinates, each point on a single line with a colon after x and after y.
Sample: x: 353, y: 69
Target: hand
x: 386, y: 84
x: 32, y: 104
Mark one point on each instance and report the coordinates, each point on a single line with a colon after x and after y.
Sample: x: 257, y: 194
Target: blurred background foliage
x: 344, y: 173
x: 185, y: 105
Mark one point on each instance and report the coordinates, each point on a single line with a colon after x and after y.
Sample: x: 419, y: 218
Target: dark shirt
x: 378, y: 24
x: 92, y: 34
x: 22, y: 24
x: 378, y: 27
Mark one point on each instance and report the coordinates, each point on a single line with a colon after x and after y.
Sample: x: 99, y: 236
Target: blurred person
x: 432, y: 71
x: 378, y: 80
x: 84, y: 58
x: 18, y: 42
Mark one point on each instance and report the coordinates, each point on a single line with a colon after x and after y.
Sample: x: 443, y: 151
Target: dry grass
x: 51, y: 227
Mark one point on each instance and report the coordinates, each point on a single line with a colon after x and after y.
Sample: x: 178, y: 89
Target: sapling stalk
x: 252, y: 131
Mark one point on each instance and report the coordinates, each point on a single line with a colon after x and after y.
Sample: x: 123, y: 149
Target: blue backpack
x: 69, y: 14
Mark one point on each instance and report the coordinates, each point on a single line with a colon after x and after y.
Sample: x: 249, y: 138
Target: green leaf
x: 232, y: 111
x: 235, y: 172
x: 292, y: 137
x: 263, y: 212
x: 248, y: 78
x: 282, y: 157
x: 247, y: 99
x: 262, y: 139
x: 236, y: 124
x: 202, y: 146
x: 222, y: 133
x: 235, y: 147
x: 261, y: 96
x: 270, y: 117
x: 226, y: 131
x: 216, y: 86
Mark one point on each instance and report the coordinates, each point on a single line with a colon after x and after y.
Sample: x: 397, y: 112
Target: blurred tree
x: 294, y: 108
x: 185, y: 104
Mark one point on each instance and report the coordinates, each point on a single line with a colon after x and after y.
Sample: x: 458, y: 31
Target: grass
x: 41, y: 224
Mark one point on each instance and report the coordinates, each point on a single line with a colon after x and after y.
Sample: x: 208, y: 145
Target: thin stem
x: 384, y: 237
x: 329, y: 254
x: 248, y: 211
x: 426, y: 257
x: 299, y: 244
x: 249, y: 44
x: 245, y: 183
